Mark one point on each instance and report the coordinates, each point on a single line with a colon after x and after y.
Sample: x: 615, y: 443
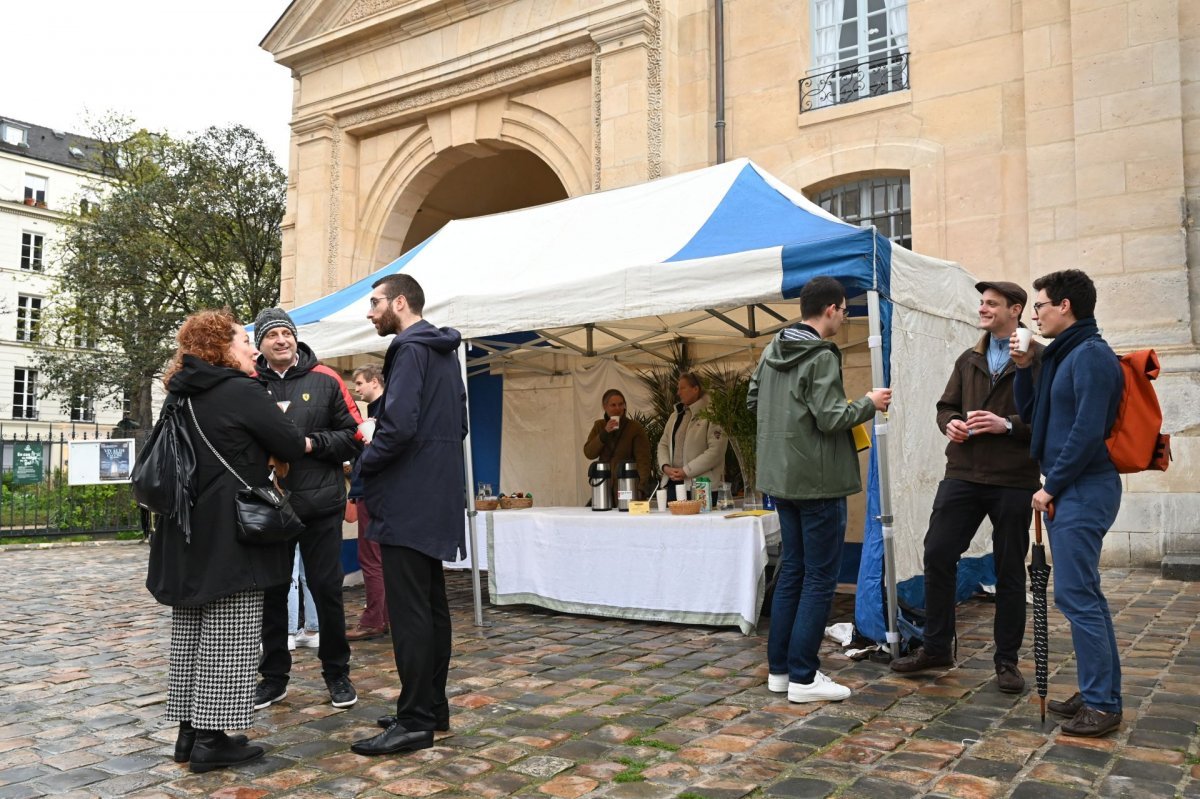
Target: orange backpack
x: 1137, y: 443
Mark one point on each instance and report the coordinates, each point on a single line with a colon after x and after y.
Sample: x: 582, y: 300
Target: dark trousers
x: 369, y: 558
x: 321, y: 550
x: 958, y: 510
x: 415, y: 587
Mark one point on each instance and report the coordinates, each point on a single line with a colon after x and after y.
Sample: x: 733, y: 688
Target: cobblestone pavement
x: 564, y: 706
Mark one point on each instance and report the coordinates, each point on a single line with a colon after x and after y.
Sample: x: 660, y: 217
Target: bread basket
x: 684, y: 507
x: 515, y: 503
x: 487, y: 504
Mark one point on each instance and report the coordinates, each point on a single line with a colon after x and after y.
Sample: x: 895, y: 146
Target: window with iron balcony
x: 860, y: 50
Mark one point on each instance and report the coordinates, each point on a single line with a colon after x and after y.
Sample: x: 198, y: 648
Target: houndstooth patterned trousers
x: 214, y: 661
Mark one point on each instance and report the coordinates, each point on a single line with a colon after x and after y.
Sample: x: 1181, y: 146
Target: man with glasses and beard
x: 1071, y: 406
x: 413, y: 475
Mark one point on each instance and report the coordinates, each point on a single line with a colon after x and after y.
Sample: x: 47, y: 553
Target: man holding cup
x: 989, y: 473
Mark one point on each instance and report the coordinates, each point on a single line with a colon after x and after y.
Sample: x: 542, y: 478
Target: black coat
x: 321, y: 406
x: 413, y: 469
x: 245, y: 426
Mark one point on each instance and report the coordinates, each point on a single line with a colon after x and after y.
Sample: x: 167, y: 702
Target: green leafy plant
x: 727, y: 390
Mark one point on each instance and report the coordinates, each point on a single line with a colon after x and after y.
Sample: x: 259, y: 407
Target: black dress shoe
x: 214, y: 749
x: 1009, y: 679
x: 187, y: 739
x: 442, y: 725
x: 1092, y: 723
x: 1068, y: 708
x: 392, y: 740
x: 919, y: 660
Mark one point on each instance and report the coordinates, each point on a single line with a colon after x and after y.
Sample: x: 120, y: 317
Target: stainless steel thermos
x: 627, y: 481
x: 600, y: 478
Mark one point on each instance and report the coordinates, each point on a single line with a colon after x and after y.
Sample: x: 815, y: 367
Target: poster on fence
x: 28, y: 463
x: 100, y: 461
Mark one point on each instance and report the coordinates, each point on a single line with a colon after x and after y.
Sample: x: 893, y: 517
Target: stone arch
x: 439, y: 144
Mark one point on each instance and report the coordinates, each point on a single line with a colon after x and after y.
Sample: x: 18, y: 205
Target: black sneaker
x: 268, y: 693
x: 1009, y: 679
x: 341, y: 691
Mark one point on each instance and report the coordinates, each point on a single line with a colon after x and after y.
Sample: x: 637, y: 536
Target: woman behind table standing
x: 691, y: 447
x: 214, y: 584
x: 617, y: 438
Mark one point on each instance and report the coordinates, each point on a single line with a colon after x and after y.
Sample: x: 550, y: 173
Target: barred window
x: 884, y: 202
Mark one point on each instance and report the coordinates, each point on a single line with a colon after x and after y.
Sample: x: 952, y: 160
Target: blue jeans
x: 1083, y: 512
x: 300, y: 586
x: 811, y: 531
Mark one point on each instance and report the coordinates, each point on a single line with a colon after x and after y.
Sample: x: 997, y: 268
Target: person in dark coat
x: 214, y: 584
x: 413, y: 479
x: 368, y: 382
x: 616, y: 438
x: 314, y: 397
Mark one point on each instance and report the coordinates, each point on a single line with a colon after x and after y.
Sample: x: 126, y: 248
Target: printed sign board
x: 100, y: 461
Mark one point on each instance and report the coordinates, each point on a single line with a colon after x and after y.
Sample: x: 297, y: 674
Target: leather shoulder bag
x: 264, y: 513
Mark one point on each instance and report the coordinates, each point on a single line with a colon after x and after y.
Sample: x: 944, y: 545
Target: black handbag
x: 264, y: 513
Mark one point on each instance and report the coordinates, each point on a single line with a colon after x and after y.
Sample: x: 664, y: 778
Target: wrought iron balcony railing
x: 850, y: 81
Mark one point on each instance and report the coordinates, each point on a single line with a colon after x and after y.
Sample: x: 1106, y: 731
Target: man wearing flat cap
x: 318, y: 402
x: 989, y: 474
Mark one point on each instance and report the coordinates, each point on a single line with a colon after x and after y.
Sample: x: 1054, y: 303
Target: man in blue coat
x: 1070, y: 407
x: 413, y: 478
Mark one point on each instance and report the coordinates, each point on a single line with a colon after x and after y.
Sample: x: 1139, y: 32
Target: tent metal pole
x: 886, y: 521
x: 472, y: 514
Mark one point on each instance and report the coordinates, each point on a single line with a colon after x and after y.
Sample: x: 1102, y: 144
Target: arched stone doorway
x: 508, y: 180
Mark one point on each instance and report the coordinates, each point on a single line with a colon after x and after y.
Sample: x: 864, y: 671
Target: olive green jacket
x: 805, y: 424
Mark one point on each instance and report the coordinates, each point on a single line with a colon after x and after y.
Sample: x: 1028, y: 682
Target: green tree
x: 182, y: 224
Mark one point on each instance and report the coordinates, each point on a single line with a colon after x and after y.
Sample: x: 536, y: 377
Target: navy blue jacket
x: 1084, y: 396
x: 413, y: 471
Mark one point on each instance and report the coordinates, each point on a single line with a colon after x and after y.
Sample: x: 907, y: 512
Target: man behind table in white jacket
x: 691, y: 447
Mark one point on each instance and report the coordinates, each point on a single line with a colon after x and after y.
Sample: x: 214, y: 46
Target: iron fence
x: 850, y: 81
x: 36, y: 499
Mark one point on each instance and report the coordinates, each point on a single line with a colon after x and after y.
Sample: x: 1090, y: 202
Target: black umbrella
x: 1039, y: 578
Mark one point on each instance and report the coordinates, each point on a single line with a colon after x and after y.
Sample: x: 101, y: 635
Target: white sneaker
x: 821, y: 689
x: 307, y: 639
x: 777, y: 683
x: 291, y: 642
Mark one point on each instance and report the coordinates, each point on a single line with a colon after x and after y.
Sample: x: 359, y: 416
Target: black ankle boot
x: 187, y: 739
x: 214, y: 749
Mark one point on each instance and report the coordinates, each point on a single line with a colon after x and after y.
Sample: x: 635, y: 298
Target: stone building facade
x: 1013, y: 137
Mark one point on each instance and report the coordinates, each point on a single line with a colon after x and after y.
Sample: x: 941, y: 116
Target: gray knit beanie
x: 268, y: 320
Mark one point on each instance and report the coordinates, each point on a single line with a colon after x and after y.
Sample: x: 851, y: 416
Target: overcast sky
x: 174, y: 66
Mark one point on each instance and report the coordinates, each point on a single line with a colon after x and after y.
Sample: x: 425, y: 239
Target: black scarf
x: 1052, y: 356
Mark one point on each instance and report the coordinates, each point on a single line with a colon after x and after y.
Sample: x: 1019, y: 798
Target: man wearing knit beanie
x: 318, y: 402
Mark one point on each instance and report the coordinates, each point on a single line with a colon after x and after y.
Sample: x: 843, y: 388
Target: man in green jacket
x: 807, y: 461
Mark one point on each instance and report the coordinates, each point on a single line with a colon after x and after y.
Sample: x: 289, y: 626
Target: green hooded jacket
x: 805, y: 424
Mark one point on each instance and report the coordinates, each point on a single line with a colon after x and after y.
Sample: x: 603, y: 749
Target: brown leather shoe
x: 1009, y: 679
x: 920, y: 660
x: 1091, y: 723
x: 365, y: 633
x: 1068, y: 708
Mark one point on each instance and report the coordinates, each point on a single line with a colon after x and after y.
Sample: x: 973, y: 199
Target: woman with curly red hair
x: 213, y: 583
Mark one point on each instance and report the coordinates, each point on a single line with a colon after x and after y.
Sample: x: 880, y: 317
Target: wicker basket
x: 515, y: 503
x: 685, y: 507
x: 487, y: 504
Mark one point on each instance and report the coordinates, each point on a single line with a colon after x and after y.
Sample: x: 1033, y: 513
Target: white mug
x: 1024, y: 337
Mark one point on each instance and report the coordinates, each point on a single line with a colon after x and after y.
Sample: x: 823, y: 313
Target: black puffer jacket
x: 244, y: 425
x: 322, y: 408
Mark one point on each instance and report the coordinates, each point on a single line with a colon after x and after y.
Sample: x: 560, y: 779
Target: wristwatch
x: 1008, y: 426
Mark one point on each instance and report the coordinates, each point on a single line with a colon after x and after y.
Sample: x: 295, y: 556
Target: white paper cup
x: 367, y: 428
x: 1024, y: 337
x: 660, y: 499
x: 681, y: 492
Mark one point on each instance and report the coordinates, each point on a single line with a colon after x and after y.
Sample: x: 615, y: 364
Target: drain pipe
x: 719, y: 24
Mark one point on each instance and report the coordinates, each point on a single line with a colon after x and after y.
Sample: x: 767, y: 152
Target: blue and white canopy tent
x: 706, y: 255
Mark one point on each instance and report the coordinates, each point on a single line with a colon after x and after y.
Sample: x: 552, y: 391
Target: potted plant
x: 727, y: 389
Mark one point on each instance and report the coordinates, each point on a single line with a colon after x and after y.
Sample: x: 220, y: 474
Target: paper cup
x: 660, y: 499
x: 681, y: 492
x: 1024, y: 337
x: 367, y: 428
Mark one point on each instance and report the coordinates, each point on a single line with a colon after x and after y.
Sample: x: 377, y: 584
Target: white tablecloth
x: 702, y: 569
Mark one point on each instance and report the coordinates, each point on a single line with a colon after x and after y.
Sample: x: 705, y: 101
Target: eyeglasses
x: 376, y: 300
x: 1037, y: 306
x: 845, y: 309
